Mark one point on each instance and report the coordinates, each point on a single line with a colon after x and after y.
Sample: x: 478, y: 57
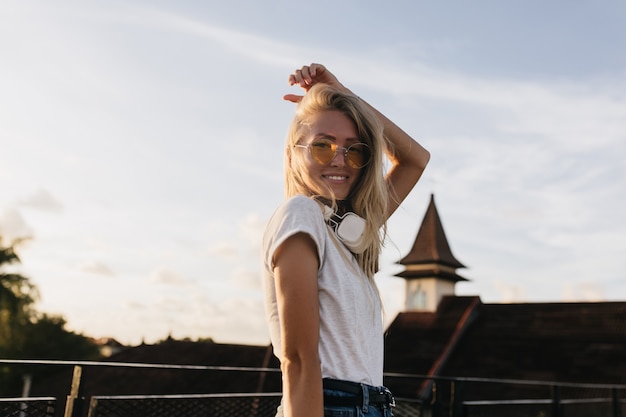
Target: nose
x: 339, y: 160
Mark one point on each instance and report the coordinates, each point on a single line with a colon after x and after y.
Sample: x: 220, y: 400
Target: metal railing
x: 222, y: 405
x: 259, y: 405
x: 489, y: 397
x: 28, y: 407
x: 444, y: 396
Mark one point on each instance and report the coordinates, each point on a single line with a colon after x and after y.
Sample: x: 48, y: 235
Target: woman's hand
x: 309, y: 75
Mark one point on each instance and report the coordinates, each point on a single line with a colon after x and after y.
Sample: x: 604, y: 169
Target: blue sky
x: 141, y: 148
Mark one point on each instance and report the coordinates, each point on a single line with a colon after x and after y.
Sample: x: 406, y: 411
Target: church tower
x: 430, y: 267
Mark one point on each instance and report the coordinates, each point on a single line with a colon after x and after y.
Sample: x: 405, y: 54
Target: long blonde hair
x: 369, y: 196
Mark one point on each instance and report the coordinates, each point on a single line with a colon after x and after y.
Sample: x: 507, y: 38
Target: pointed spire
x: 431, y: 250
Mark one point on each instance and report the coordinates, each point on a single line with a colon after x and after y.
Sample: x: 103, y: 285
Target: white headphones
x: 349, y: 228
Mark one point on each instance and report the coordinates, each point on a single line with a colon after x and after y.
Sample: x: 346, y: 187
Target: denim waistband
x: 362, y: 394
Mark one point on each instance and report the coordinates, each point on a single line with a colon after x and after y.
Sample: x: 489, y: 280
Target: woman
x: 322, y: 244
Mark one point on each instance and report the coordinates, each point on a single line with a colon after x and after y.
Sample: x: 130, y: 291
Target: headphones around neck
x: 349, y: 228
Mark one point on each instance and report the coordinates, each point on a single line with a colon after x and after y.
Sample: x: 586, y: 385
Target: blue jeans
x: 364, y: 410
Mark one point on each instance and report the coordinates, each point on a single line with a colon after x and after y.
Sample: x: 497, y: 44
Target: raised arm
x: 408, y: 161
x: 408, y: 158
x: 295, y: 269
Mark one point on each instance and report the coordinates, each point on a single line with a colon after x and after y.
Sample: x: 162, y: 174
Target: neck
x: 343, y: 206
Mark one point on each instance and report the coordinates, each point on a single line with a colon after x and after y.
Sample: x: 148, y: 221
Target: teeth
x: 335, y: 177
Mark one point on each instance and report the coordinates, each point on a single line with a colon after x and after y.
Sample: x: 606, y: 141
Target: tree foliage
x: 26, y: 333
x: 17, y: 296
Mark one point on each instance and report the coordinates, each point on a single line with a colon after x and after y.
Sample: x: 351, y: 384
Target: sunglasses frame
x: 345, y: 150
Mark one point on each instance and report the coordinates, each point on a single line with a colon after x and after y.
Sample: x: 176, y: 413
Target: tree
x: 28, y: 334
x: 17, y: 296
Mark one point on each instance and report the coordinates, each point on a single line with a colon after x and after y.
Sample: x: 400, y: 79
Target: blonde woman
x: 321, y: 248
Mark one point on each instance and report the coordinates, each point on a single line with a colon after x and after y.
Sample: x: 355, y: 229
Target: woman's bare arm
x: 295, y: 270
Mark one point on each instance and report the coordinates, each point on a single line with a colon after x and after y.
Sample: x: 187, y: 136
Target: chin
x: 327, y: 193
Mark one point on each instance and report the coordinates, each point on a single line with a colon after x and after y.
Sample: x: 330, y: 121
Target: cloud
x: 41, y: 200
x: 509, y: 293
x: 579, y: 114
x: 171, y: 304
x: 227, y: 319
x: 250, y: 45
x: 585, y: 291
x: 13, y: 226
x: 166, y: 276
x: 135, y: 305
x: 251, y: 228
x: 247, y: 278
x: 97, y: 268
x: 225, y: 250
x: 240, y: 320
x: 245, y: 247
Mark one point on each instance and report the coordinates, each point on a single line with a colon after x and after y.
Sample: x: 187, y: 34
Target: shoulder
x: 299, y: 212
x: 301, y: 204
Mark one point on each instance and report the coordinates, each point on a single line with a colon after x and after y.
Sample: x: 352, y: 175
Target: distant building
x: 462, y: 337
x: 102, y: 380
x: 430, y: 266
x: 108, y: 346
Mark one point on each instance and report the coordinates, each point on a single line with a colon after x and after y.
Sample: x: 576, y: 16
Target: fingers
x: 309, y: 75
x: 305, y: 76
x: 302, y: 77
x: 294, y: 98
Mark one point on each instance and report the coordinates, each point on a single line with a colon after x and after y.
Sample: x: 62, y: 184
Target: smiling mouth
x: 336, y: 177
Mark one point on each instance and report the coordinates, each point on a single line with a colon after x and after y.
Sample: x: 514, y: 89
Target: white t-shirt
x: 351, y: 329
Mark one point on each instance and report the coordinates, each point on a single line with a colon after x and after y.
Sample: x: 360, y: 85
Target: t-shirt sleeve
x: 299, y: 214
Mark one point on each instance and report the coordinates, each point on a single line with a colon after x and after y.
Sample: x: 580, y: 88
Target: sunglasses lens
x: 358, y: 155
x: 323, y: 151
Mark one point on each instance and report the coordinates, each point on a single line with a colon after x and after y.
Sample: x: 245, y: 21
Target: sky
x: 141, y: 148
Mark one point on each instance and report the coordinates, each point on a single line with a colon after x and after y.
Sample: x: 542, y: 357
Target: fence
x: 485, y: 397
x: 449, y: 397
x: 27, y: 407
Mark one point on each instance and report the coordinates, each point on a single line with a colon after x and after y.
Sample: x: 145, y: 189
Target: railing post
x: 556, y: 402
x: 73, y: 403
x: 617, y: 406
x: 93, y: 407
x: 434, y: 402
x: 457, y: 398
